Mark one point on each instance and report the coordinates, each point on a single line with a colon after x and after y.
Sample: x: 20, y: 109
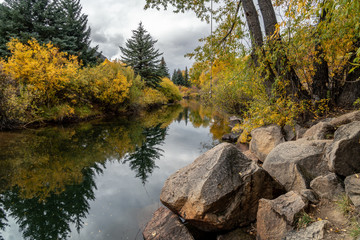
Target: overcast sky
x: 112, y: 22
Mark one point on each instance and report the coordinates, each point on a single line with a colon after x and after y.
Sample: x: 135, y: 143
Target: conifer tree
x: 58, y: 21
x: 186, y: 78
x: 74, y: 37
x: 174, y: 77
x: 140, y: 53
x: 164, y: 71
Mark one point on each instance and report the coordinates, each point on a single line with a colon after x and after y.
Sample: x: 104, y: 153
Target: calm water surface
x: 97, y: 180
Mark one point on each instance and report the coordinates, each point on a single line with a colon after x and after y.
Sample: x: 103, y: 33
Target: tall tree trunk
x: 253, y: 22
x: 320, y: 84
x: 283, y: 67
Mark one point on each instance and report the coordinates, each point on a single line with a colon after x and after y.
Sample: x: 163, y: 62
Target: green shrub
x: 170, y: 91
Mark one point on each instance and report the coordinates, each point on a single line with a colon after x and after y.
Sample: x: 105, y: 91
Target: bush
x: 42, y: 70
x: 107, y: 85
x: 152, y: 97
x: 170, y: 91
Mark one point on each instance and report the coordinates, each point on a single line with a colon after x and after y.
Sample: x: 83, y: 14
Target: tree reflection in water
x: 51, y: 218
x: 142, y: 160
x: 47, y: 175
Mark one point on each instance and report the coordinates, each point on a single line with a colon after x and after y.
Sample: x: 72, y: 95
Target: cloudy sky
x: 112, y: 22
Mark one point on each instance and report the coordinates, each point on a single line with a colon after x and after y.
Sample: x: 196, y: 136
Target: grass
x: 304, y: 220
x: 348, y: 209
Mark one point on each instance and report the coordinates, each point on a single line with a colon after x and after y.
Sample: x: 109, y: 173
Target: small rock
x: 166, y: 225
x: 310, y: 195
x: 352, y: 188
x: 220, y: 190
x: 300, y: 131
x: 296, y: 163
x: 328, y: 187
x: 265, y: 139
x: 233, y: 120
x: 314, y: 231
x: 343, y: 154
x: 320, y: 131
x: 290, y: 133
x: 230, y: 137
x: 276, y: 217
x: 345, y: 119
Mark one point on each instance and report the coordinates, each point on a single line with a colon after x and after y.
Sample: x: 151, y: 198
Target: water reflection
x: 49, y: 219
x: 47, y: 176
x: 142, y: 160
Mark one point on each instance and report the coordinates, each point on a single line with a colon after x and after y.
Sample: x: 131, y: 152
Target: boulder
x: 343, y: 154
x: 345, y: 119
x: 166, y: 225
x: 295, y: 164
x: 320, y: 131
x: 220, y: 190
x: 276, y: 217
x: 264, y: 139
x: 329, y: 187
x: 314, y: 231
x: 238, y: 234
x: 352, y: 188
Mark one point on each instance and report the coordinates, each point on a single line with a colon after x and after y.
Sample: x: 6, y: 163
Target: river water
x: 100, y: 179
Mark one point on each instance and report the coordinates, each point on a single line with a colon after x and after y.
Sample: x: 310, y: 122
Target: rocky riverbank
x: 286, y: 186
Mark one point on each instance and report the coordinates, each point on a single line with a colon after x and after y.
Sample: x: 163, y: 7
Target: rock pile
x: 223, y: 190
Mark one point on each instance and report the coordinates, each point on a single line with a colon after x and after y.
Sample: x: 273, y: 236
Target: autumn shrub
x: 42, y: 70
x: 151, y: 97
x: 15, y: 103
x: 170, y: 90
x: 107, y: 85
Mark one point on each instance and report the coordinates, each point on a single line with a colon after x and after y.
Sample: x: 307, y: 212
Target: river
x: 99, y: 179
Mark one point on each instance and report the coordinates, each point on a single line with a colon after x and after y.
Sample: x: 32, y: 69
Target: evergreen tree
x: 186, y: 78
x: 174, y: 77
x: 164, y: 71
x: 58, y: 21
x: 180, y: 77
x: 139, y: 53
x: 25, y: 20
x: 74, y: 37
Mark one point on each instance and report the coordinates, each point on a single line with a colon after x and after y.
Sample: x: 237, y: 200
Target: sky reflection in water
x: 106, y: 190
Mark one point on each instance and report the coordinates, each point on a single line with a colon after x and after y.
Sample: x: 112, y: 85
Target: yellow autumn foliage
x: 107, y: 84
x: 42, y: 70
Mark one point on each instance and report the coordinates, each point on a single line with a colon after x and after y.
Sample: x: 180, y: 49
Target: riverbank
x: 290, y: 188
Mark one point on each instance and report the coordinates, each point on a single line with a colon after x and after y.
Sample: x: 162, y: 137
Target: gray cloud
x: 112, y: 22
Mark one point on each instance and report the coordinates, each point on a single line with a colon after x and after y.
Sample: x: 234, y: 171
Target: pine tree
x: 180, y: 77
x: 164, y: 71
x: 58, y: 21
x: 74, y: 37
x: 174, y: 77
x: 186, y: 78
x: 139, y: 53
x: 25, y: 20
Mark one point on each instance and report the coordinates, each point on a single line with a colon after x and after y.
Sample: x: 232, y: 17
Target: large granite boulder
x: 320, y: 131
x: 295, y: 164
x: 264, y: 139
x: 220, y: 190
x: 315, y: 231
x: 166, y: 225
x: 276, y: 217
x: 352, y: 188
x: 343, y: 154
x: 345, y: 119
x: 329, y: 187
